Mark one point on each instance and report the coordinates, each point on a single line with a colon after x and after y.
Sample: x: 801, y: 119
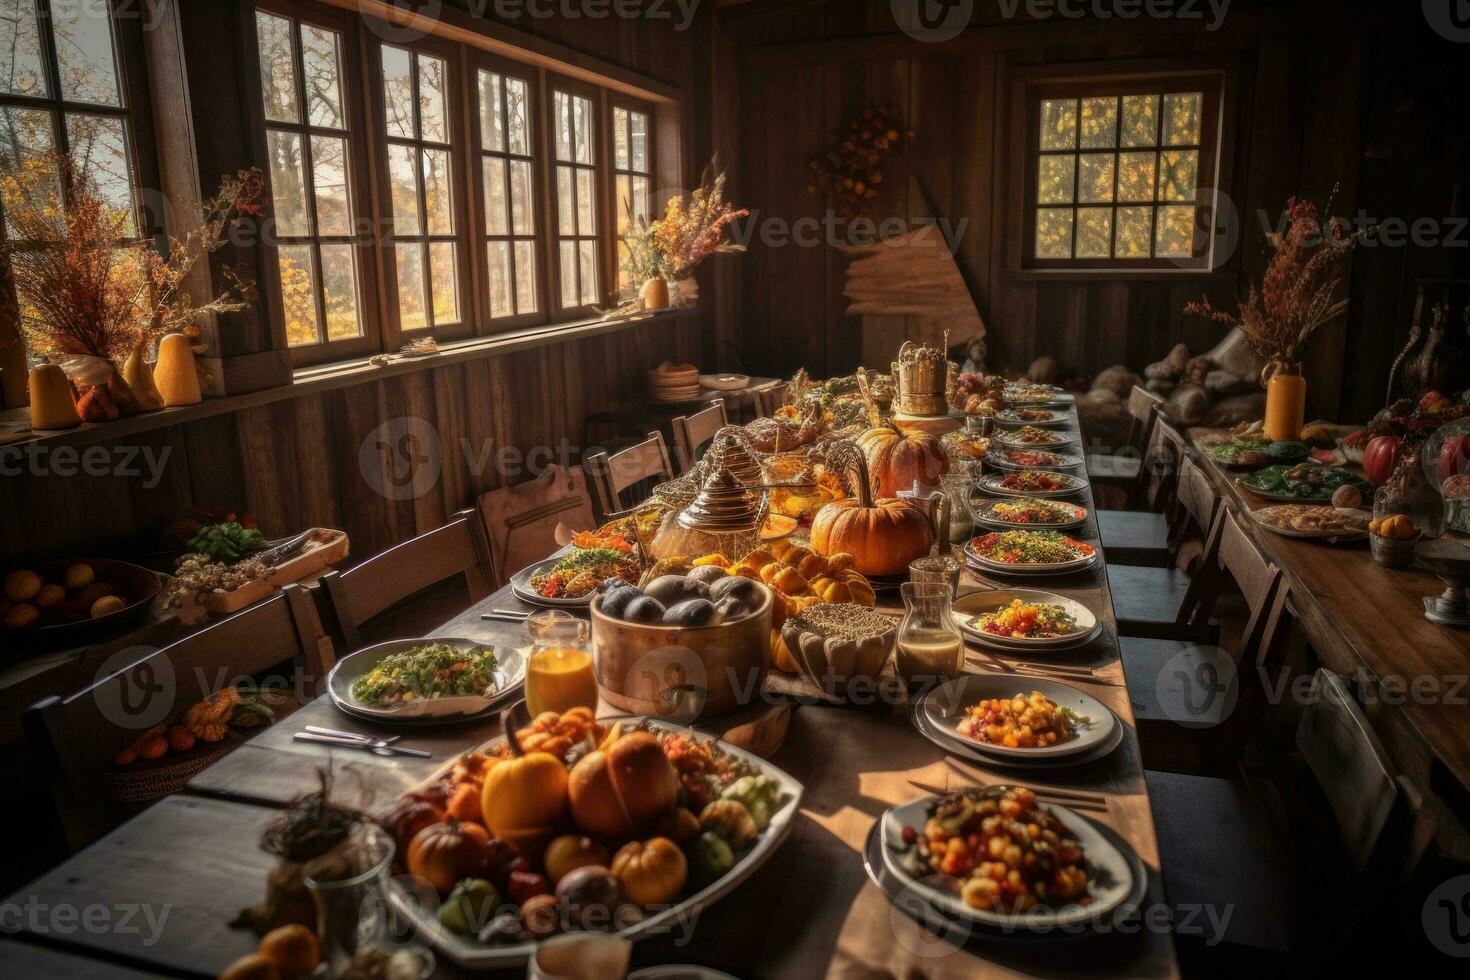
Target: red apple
x: 1381, y: 456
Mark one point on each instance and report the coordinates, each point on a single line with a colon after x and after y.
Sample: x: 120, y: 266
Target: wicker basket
x: 146, y: 782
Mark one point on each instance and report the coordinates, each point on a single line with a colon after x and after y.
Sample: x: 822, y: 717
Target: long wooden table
x: 1367, y: 622
x: 811, y: 911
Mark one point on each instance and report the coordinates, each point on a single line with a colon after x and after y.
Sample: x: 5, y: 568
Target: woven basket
x: 137, y: 784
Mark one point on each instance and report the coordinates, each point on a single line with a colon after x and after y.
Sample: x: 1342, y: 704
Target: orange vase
x: 1286, y: 401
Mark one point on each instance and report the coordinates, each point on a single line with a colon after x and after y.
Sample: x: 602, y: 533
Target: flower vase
x: 1286, y: 400
x: 655, y: 294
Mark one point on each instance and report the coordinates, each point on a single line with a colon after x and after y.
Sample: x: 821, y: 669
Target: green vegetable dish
x: 227, y: 542
x: 1302, y: 482
x: 427, y: 672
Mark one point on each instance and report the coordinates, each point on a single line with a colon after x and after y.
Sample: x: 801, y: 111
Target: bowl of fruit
x: 70, y: 602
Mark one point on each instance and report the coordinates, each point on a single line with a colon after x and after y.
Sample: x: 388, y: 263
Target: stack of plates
x: 969, y: 608
x: 671, y: 383
x: 938, y: 713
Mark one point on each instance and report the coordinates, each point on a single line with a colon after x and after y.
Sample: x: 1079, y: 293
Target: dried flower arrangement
x: 85, y: 289
x: 693, y: 228
x: 1298, y: 292
x: 852, y: 168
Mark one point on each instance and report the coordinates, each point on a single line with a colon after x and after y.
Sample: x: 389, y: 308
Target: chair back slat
x: 1161, y: 463
x: 611, y: 475
x: 521, y: 521
x: 692, y: 432
x: 1350, y: 765
x: 1246, y: 564
x: 362, y: 592
x: 76, y: 736
x: 1196, y: 494
x: 1143, y: 403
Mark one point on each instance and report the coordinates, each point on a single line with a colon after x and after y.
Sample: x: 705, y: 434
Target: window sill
x: 1116, y: 275
x: 15, y: 431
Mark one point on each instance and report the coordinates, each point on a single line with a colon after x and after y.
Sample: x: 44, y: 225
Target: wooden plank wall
x: 1315, y: 95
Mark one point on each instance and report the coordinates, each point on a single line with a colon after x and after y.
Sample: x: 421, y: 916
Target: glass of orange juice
x: 559, y: 672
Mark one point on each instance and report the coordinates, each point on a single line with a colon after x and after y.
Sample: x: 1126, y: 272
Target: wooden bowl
x: 680, y: 673
x: 137, y: 586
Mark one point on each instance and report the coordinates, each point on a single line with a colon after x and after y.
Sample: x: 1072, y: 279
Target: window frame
x: 358, y: 175
x: 604, y: 238
x: 616, y: 101
x: 1215, y: 80
x: 136, y: 116
x: 541, y: 204
x: 460, y: 148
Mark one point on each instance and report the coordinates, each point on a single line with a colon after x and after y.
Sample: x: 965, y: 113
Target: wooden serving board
x: 298, y: 568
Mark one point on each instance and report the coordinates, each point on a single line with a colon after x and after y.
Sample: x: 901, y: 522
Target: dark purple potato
x: 616, y: 602
x: 737, y: 587
x: 730, y: 609
x: 645, y: 610
x: 589, y: 896
x: 692, y: 613
x: 708, y: 574
x: 668, y: 589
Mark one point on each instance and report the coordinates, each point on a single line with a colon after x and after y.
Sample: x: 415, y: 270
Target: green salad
x: 427, y: 672
x: 1305, y: 482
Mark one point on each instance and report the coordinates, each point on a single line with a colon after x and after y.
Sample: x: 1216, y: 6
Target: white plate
x: 1291, y: 532
x: 990, y: 483
x: 1065, y: 461
x: 725, y: 382
x: 976, y: 560
x: 466, y: 952
x: 963, y: 748
x: 510, y: 672
x: 1058, y: 418
x: 520, y: 585
x: 971, y: 606
x: 944, y: 708
x: 1062, y: 440
x: 985, y: 514
x: 1110, y: 872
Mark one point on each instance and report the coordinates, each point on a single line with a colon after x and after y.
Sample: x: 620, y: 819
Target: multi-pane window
x: 61, y: 92
x: 507, y: 159
x: 308, y: 141
x: 1119, y: 177
x: 632, y: 177
x: 576, y: 201
x: 420, y: 131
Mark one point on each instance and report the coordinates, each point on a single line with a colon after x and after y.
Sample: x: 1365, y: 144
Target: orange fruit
x: 293, y: 948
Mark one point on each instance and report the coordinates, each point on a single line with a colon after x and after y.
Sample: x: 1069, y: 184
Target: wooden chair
x: 1135, y: 537
x: 770, y: 398
x: 1245, y: 864
x: 521, y: 521
x: 73, y: 738
x: 611, y: 475
x: 456, y: 550
x: 692, y: 432
x: 1162, y: 603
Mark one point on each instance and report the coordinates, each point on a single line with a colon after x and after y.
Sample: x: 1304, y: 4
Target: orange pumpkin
x: 527, y: 792
x: 650, y: 873
x: 896, y: 459
x: 445, y: 853
x: 882, y: 535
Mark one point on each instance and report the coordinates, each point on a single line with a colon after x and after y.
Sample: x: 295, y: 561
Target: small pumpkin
x: 625, y: 790
x: 527, y: 792
x: 882, y: 535
x: 209, y: 720
x: 651, y: 872
x: 897, y: 458
x: 444, y: 854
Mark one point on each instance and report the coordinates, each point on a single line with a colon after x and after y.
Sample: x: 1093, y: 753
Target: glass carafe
x: 559, y: 672
x: 931, y: 649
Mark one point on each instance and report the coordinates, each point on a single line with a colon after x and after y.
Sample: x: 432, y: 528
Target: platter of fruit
x: 571, y: 825
x: 1302, y: 483
x: 63, y: 603
x: 430, y: 681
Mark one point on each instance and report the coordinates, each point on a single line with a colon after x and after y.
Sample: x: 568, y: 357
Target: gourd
x: 139, y: 377
x: 176, y: 376
x: 897, y: 458
x: 52, y: 404
x: 209, y: 720
x: 444, y: 854
x: 730, y: 820
x: 882, y: 535
x: 527, y: 792
x: 627, y: 789
x: 650, y: 873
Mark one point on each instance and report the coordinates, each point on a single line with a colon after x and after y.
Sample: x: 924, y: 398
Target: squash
x: 650, y: 873
x: 897, y: 458
x: 52, y: 404
x: 731, y: 821
x: 527, y: 792
x: 444, y: 854
x: 176, y: 376
x: 209, y: 720
x: 624, y: 791
x: 882, y: 535
x: 139, y: 377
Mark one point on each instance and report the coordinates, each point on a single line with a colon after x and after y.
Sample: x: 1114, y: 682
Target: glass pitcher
x: 559, y: 671
x: 931, y: 649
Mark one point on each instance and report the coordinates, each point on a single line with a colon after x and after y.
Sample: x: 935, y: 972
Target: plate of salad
x: 1032, y: 512
x: 571, y: 577
x: 1302, y: 483
x: 1032, y: 483
x: 1026, y: 552
x: 430, y: 679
